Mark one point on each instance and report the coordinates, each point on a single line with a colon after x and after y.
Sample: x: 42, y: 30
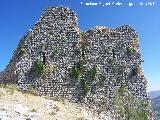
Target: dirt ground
x: 17, y: 105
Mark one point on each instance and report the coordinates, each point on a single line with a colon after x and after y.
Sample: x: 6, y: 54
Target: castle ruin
x: 100, y: 67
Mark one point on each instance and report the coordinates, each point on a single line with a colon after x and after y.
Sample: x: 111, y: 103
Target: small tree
x: 128, y: 106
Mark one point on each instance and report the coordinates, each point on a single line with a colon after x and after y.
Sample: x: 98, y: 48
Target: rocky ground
x: 18, y: 105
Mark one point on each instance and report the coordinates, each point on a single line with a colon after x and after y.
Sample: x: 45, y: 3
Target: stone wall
x: 56, y: 59
x: 1, y: 76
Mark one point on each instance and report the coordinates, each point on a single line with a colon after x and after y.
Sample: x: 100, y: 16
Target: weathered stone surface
x: 1, y: 76
x: 102, y: 60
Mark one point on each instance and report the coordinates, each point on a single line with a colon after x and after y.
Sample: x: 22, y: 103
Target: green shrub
x: 85, y: 87
x: 92, y: 73
x: 129, y: 107
x: 3, y: 85
x: 30, y: 87
x: 129, y: 51
x: 77, y: 70
x: 75, y: 73
x: 39, y: 68
x: 112, y: 62
x: 82, y: 35
x: 22, y: 51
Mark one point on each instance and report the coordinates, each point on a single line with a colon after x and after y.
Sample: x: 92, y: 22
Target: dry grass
x: 42, y: 107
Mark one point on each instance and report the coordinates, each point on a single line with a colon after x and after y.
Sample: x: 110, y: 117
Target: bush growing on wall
x: 21, y: 52
x: 85, y: 87
x: 77, y: 69
x: 39, y: 67
x: 92, y: 73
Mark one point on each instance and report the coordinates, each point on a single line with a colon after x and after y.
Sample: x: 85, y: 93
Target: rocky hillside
x: 154, y: 94
x: 156, y: 108
x: 18, y: 105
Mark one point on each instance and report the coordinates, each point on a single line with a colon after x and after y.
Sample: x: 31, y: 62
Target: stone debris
x: 94, y: 63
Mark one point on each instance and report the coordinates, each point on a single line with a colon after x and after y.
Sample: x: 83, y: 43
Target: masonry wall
x: 1, y: 76
x: 81, y: 66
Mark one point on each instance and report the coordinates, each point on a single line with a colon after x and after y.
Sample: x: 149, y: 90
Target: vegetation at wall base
x: 123, y: 104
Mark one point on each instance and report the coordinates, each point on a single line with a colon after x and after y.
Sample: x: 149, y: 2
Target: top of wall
x: 51, y: 22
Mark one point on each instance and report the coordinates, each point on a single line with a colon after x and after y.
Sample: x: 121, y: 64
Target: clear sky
x: 17, y: 16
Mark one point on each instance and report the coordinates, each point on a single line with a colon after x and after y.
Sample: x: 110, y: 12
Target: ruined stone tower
x: 100, y: 67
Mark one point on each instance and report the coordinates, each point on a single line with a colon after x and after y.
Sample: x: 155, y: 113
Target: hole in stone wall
x: 113, y: 53
x: 83, y: 52
x: 44, y: 58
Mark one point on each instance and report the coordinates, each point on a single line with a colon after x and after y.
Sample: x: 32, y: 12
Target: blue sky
x: 17, y: 16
